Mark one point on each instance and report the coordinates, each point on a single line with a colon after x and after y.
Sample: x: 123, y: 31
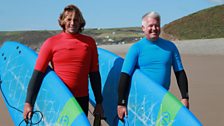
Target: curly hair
x: 72, y: 8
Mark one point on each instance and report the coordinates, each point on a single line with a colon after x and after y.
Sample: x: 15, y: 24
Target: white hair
x: 151, y: 14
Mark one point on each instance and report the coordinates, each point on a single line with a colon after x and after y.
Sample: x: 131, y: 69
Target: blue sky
x: 17, y: 15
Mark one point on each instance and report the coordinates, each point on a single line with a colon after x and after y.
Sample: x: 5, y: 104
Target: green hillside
x: 102, y: 36
x: 205, y: 24
x: 30, y: 38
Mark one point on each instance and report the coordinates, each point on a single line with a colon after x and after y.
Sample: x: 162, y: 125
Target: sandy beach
x: 203, y: 60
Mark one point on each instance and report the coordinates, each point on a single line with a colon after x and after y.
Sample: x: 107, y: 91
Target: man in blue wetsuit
x: 154, y: 56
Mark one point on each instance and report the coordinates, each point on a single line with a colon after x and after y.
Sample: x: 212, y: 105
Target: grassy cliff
x: 205, y: 24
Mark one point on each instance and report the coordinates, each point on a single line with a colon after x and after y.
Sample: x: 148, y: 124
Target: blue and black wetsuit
x: 154, y: 59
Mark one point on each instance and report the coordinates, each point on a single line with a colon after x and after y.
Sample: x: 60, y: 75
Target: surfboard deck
x: 148, y: 104
x: 54, y: 100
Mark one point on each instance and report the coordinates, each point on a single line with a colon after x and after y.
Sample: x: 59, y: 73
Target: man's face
x: 71, y: 23
x: 151, y: 28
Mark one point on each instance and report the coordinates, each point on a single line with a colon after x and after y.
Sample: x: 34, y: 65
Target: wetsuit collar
x: 68, y: 35
x: 151, y: 42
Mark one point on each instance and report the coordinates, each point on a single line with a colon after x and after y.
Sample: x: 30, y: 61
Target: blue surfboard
x: 54, y: 100
x: 149, y: 104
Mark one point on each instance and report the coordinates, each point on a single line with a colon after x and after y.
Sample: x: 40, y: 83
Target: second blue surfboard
x: 149, y: 104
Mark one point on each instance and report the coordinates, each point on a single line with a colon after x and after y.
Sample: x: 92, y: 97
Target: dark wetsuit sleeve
x: 34, y: 87
x: 95, y: 80
x: 182, y: 83
x: 123, y: 89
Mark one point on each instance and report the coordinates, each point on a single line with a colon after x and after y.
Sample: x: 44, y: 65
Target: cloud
x: 217, y: 1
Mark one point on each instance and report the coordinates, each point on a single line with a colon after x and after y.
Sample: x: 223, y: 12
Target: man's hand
x: 121, y: 111
x: 99, y: 110
x: 28, y: 111
x: 185, y: 102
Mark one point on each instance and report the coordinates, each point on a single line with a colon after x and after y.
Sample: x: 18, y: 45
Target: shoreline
x: 185, y: 47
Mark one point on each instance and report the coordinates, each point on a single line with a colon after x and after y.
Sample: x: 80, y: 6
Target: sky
x: 20, y: 15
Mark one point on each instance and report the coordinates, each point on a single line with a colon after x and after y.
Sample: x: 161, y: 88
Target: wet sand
x: 203, y: 60
x: 205, y: 76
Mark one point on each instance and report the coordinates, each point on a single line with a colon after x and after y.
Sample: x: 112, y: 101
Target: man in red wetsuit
x: 73, y: 57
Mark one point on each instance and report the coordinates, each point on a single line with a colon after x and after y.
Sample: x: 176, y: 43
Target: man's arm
x: 32, y: 92
x: 127, y: 70
x: 123, y: 89
x: 34, y: 87
x: 123, y: 92
x: 183, y: 86
x: 95, y: 80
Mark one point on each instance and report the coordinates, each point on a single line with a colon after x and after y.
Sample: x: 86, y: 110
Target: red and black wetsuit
x: 73, y: 58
